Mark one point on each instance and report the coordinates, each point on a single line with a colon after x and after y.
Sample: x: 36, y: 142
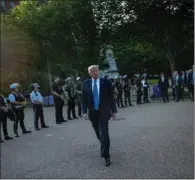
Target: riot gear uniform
x: 119, y: 88
x: 71, y: 96
x: 127, y: 91
x: 78, y: 88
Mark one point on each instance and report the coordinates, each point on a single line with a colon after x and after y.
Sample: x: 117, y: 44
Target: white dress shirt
x: 98, y: 85
x: 143, y: 83
x: 162, y: 78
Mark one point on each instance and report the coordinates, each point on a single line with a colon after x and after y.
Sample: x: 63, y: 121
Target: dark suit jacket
x: 190, y: 79
x: 165, y: 84
x: 107, y: 103
x: 173, y: 82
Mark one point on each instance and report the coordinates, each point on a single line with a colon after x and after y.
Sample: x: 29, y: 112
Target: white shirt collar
x: 97, y: 80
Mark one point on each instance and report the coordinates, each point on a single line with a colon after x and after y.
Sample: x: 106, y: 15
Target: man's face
x: 57, y: 80
x: 16, y: 89
x: 94, y: 73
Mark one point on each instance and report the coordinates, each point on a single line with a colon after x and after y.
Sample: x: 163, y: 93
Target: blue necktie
x: 95, y: 95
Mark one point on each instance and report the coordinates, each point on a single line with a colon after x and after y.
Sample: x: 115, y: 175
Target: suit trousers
x: 100, y: 127
x: 165, y: 95
x: 192, y: 91
x: 79, y: 108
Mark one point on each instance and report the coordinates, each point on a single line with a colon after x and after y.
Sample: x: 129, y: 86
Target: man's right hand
x: 85, y: 116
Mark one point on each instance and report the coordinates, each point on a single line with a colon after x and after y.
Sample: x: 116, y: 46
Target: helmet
x: 125, y: 76
x: 14, y: 85
x: 67, y: 79
x: 35, y: 85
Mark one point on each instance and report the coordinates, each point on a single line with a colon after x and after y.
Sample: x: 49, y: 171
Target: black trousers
x: 139, y: 96
x: 59, y: 110
x: 79, y: 108
x: 165, y: 95
x: 174, y: 93
x: 100, y: 127
x: 146, y: 95
x: 120, y: 99
x: 127, y: 97
x: 3, y: 118
x: 192, y: 91
x: 19, y: 114
x: 38, y: 114
x: 179, y: 94
x: 71, y: 108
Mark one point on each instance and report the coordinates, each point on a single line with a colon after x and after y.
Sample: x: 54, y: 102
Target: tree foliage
x: 144, y: 33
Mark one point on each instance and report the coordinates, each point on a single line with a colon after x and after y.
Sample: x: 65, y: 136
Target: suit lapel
x: 101, y: 88
x: 90, y: 87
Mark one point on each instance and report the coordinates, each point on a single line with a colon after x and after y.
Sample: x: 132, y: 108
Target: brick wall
x: 18, y: 56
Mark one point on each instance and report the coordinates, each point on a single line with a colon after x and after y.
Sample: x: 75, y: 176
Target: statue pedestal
x: 112, y: 71
x: 109, y: 73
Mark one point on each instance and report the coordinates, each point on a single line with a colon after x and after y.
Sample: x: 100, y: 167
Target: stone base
x: 110, y: 74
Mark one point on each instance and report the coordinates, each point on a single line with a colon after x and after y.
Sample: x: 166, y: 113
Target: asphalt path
x: 154, y: 140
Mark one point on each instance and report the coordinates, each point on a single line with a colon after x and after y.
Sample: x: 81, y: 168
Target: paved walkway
x: 147, y: 141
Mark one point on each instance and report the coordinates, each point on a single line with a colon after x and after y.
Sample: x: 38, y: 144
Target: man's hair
x: 93, y: 67
x: 54, y: 78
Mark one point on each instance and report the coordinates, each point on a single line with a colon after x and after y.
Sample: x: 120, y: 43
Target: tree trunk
x: 172, y: 64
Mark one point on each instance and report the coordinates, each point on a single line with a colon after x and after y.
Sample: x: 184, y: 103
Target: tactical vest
x: 119, y: 87
x: 126, y: 86
x: 19, y: 98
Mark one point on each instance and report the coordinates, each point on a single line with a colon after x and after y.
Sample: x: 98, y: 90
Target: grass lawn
x: 153, y: 81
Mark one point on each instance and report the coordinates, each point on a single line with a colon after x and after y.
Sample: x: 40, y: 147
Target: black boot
x: 8, y: 138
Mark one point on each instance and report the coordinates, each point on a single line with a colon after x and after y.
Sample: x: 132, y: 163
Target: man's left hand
x: 114, y: 115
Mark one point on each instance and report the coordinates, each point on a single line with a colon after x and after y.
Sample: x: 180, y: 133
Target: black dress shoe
x: 2, y: 141
x: 45, y: 126
x: 107, y: 161
x: 8, y: 138
x: 37, y: 129
x: 69, y: 119
x: 26, y: 132
x: 17, y: 135
x: 58, y: 122
x: 64, y: 121
x: 75, y: 117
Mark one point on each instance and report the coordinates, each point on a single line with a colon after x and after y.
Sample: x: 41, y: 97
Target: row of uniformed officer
x: 123, y: 87
x: 5, y: 112
x: 37, y: 101
x: 70, y: 95
x: 17, y: 102
x: 57, y: 93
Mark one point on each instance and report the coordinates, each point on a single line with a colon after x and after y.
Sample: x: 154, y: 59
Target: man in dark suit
x: 173, y: 84
x: 164, y: 85
x: 191, y: 83
x: 98, y: 101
